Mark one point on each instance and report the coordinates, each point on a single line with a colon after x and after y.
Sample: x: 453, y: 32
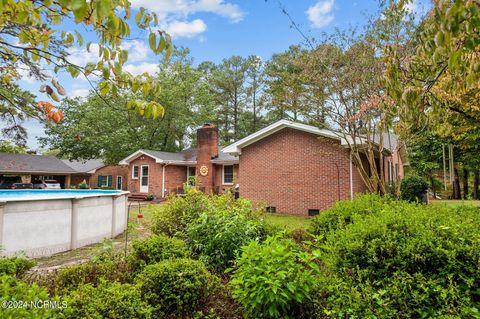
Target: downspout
x: 351, y: 176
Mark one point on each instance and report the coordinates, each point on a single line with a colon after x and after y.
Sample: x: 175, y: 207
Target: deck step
x: 137, y: 197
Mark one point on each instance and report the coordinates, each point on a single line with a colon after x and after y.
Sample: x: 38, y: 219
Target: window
x: 271, y: 209
x: 104, y: 181
x: 227, y: 174
x: 313, y: 212
x: 135, y: 172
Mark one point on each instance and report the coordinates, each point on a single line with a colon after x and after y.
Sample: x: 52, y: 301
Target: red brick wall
x: 114, y: 171
x: 175, y: 176
x: 295, y: 171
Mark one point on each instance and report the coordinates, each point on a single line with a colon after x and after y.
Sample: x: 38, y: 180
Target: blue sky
x: 217, y: 29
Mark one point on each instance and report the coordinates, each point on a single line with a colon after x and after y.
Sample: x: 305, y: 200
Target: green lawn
x: 288, y: 222
x: 456, y: 202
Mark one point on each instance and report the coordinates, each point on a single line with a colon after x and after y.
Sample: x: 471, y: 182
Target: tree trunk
x: 476, y: 180
x: 432, y: 182
x: 465, y: 183
x: 456, y: 185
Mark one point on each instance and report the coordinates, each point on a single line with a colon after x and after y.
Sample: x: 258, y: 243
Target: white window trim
x: 121, y: 184
x: 104, y: 179
x: 133, y: 172
x: 223, y: 175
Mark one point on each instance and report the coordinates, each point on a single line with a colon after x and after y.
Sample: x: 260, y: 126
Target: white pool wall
x: 43, y: 227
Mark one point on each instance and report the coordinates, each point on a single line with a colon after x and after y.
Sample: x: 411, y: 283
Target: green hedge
x: 15, y: 265
x: 107, y: 300
x: 406, y: 261
x: 413, y: 189
x: 175, y: 287
x: 344, y: 213
x: 155, y: 249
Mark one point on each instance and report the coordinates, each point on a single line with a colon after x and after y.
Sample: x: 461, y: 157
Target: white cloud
x: 184, y: 8
x: 80, y: 93
x: 137, y: 50
x: 320, y: 14
x: 186, y: 29
x: 411, y: 7
x: 150, y: 68
x: 80, y: 56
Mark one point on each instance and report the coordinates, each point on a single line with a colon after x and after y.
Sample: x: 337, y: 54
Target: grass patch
x: 456, y: 203
x: 287, y: 221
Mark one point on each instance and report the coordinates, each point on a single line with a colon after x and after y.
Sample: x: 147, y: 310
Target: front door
x: 144, y: 179
x: 119, y: 182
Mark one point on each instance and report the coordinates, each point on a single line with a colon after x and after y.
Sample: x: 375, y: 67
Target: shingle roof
x: 224, y: 157
x: 27, y: 163
x: 84, y: 166
x: 169, y: 156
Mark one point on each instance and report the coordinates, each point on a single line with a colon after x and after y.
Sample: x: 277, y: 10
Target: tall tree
x: 32, y: 39
x: 228, y: 86
x: 285, y: 84
x: 95, y: 129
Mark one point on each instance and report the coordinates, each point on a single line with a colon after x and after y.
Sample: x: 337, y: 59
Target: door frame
x: 121, y: 182
x: 144, y: 188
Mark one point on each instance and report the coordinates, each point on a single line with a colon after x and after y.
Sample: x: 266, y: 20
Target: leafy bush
x: 91, y: 273
x: 175, y: 287
x: 178, y: 212
x: 413, y: 188
x: 15, y: 290
x: 344, y: 213
x: 216, y: 238
x: 173, y: 217
x: 150, y: 197
x: 83, y: 185
x: 407, y: 261
x: 107, y: 300
x: 272, y: 278
x: 154, y: 249
x: 15, y: 266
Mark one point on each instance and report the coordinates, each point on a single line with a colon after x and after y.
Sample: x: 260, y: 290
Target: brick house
x: 96, y: 174
x: 161, y: 173
x: 291, y: 167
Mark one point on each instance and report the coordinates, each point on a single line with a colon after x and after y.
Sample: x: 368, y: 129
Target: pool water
x: 26, y: 194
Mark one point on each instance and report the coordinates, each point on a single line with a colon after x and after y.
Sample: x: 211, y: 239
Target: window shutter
x: 109, y: 180
x: 100, y: 180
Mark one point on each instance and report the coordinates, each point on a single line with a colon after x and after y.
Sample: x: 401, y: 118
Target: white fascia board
x: 135, y: 155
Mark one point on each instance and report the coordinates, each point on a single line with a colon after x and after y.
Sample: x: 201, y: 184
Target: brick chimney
x: 207, y: 148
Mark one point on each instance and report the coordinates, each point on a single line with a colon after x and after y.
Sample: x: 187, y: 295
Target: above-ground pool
x: 45, y: 222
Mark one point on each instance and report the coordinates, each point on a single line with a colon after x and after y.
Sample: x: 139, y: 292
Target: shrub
x: 344, y: 213
x: 154, y: 249
x: 17, y: 291
x: 216, y: 238
x: 408, y: 261
x: 272, y: 278
x: 83, y: 185
x: 413, y: 189
x: 91, y: 273
x: 15, y: 266
x: 175, y: 287
x: 107, y: 300
x: 173, y: 217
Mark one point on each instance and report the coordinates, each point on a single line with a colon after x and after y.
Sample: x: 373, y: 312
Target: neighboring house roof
x: 88, y: 166
x: 236, y: 148
x: 27, y: 163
